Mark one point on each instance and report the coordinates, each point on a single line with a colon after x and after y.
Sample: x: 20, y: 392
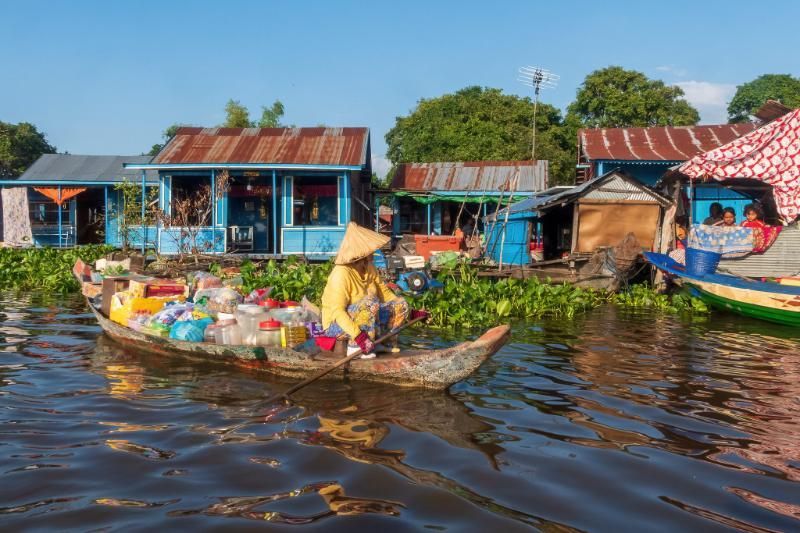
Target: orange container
x: 436, y: 243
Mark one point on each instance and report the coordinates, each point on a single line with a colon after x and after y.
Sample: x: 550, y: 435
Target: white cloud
x: 380, y: 165
x: 710, y: 99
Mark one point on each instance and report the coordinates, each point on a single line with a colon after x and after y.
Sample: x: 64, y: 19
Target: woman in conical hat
x: 356, y: 302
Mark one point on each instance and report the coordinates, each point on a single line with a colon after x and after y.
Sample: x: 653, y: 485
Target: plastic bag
x: 168, y: 316
x: 220, y: 300
x: 190, y: 330
x: 312, y: 311
x: 200, y: 280
x: 258, y: 295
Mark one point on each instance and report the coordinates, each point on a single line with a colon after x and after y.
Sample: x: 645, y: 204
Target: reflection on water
x: 613, y: 420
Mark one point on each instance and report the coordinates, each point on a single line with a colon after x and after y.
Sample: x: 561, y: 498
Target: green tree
x: 167, y: 134
x: 236, y: 115
x: 271, y: 116
x: 753, y: 94
x: 613, y: 97
x: 482, y: 124
x: 20, y: 145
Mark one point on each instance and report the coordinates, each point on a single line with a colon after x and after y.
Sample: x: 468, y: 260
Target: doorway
x: 90, y: 221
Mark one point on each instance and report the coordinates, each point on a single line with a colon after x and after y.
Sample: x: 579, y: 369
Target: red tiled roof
x: 301, y: 146
x: 663, y: 143
x: 475, y: 176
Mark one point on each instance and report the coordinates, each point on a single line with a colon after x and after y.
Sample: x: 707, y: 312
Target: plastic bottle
x: 227, y: 332
x: 293, y: 333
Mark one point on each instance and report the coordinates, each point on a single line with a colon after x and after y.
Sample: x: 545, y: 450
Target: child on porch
x: 752, y: 217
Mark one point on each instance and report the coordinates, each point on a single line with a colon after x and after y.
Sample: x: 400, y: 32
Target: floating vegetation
x: 48, y: 269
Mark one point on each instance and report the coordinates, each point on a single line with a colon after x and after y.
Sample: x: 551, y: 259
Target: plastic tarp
x: 607, y: 223
x: 430, y: 198
x: 770, y: 154
x: 60, y: 195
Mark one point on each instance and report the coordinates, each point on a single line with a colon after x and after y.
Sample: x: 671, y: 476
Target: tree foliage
x: 271, y: 116
x: 753, y: 94
x: 482, y: 124
x: 613, y: 97
x: 20, y: 145
x: 238, y: 116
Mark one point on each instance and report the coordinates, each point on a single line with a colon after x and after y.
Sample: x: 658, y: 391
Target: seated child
x: 752, y: 217
x: 728, y: 218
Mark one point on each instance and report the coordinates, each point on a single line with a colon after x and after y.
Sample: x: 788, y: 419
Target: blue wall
x: 516, y: 245
x: 318, y: 243
x: 705, y: 195
x: 646, y: 172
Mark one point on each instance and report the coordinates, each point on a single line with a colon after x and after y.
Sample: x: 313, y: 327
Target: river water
x: 611, y: 421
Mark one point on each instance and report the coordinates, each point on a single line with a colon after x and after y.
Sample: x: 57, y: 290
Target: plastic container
x: 436, y: 243
x: 701, y: 262
x: 293, y: 333
x: 227, y: 332
x: 269, y: 303
x: 288, y: 314
x: 248, y: 316
x: 269, y: 333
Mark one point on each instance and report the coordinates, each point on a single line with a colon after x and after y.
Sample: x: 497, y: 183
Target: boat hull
x: 755, y: 299
x: 432, y: 369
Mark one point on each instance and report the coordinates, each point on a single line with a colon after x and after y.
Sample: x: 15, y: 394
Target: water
x: 612, y: 421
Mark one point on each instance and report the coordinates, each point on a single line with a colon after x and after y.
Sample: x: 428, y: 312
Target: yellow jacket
x: 345, y: 287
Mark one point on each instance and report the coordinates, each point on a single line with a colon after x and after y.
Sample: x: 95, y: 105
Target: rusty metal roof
x: 663, y: 143
x: 771, y: 110
x: 475, y: 176
x: 299, y: 146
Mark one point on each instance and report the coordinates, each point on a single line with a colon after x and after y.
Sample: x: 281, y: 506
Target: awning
x: 60, y: 194
x: 770, y: 154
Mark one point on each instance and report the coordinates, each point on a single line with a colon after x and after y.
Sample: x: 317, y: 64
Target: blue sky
x: 108, y: 77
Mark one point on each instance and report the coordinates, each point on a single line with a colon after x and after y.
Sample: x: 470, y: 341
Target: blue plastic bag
x: 190, y: 330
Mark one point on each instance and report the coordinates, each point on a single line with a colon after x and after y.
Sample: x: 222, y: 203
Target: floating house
x: 647, y: 153
x: 290, y: 191
x: 574, y: 222
x: 436, y: 198
x: 64, y: 199
x: 268, y: 192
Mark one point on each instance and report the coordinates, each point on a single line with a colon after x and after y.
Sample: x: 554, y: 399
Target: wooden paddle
x: 291, y: 390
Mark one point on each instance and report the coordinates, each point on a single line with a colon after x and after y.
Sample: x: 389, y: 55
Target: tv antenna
x: 538, y: 78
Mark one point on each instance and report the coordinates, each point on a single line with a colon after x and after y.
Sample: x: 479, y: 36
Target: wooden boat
x: 432, y: 369
x: 756, y: 299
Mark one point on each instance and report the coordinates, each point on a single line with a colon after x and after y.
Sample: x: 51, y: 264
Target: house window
x: 44, y: 211
x: 316, y: 201
x: 192, y: 200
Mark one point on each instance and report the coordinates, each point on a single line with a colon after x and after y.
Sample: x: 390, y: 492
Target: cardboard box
x: 152, y: 287
x: 121, y: 311
x: 111, y: 286
x: 91, y: 290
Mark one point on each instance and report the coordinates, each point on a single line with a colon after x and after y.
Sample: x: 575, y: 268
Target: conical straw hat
x: 358, y: 243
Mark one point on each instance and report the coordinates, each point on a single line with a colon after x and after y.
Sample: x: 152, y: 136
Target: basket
x: 701, y: 262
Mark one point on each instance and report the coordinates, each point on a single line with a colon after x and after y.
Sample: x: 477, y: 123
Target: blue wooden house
x: 646, y: 154
x: 290, y: 191
x: 73, y: 199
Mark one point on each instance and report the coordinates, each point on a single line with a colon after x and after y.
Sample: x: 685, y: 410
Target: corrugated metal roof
x: 613, y: 185
x: 301, y: 146
x: 475, y: 176
x: 771, y: 110
x: 69, y: 167
x: 664, y: 143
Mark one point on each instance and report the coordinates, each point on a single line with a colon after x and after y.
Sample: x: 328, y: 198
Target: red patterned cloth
x: 763, y: 237
x: 770, y: 154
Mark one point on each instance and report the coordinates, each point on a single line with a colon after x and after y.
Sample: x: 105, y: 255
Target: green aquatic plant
x: 47, y: 269
x: 645, y: 296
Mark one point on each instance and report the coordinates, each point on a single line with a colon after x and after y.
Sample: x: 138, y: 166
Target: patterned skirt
x: 374, y: 317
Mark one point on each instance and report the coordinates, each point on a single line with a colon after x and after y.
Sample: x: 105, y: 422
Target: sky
x: 109, y: 77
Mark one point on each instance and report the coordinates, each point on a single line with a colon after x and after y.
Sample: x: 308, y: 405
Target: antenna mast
x: 538, y: 78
